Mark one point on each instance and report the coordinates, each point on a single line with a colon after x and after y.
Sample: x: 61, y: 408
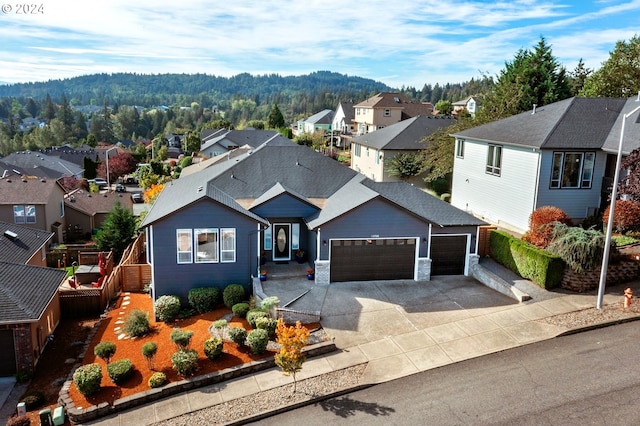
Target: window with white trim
x: 460, y: 148
x: 206, y: 244
x: 356, y: 149
x: 184, y: 245
x: 228, y: 246
x: 572, y: 169
x: 494, y: 160
x: 24, y: 214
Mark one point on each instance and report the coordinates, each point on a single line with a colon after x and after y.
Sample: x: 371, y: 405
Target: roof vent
x: 534, y: 109
x: 24, y: 180
x: 11, y: 235
x: 200, y: 188
x: 396, y: 99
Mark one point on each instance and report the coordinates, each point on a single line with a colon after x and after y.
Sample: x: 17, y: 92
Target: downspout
x: 535, y: 194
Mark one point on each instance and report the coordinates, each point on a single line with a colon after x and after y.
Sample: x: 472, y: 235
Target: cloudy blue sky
x: 399, y: 42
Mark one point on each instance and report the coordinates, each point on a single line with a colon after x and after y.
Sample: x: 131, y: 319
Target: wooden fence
x: 128, y: 275
x: 483, y: 240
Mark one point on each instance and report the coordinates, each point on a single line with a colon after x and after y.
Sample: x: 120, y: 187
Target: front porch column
x: 322, y: 272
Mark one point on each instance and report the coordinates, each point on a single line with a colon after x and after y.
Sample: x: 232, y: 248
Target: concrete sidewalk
x: 397, y: 328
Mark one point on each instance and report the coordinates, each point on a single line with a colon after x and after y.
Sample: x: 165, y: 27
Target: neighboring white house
x: 469, y: 103
x: 343, y: 118
x: 562, y: 155
x: 372, y: 152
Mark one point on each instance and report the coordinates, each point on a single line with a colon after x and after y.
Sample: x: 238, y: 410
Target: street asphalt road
x: 589, y: 378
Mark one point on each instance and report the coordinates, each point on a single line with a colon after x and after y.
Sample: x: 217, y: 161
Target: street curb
x: 597, y: 326
x: 285, y: 408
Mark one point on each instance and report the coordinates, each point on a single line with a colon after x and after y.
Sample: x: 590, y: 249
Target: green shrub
x: 119, y: 371
x: 149, y: 350
x: 33, y: 399
x: 526, y: 260
x: 136, y: 324
x: 185, y: 361
x: 87, y: 378
x: 157, y: 379
x: 204, y: 299
x: 254, y: 314
x: 167, y: 308
x: 240, y: 309
x: 105, y: 350
x: 268, y: 324
x: 257, y: 341
x: 19, y: 421
x: 270, y: 302
x: 238, y: 335
x: 213, y: 347
x: 580, y: 248
x: 232, y: 294
x: 181, y: 337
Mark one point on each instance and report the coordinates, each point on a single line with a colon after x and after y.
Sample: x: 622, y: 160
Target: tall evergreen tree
x: 276, y: 119
x: 578, y: 77
x: 49, y: 109
x: 533, y: 77
x: 619, y: 75
x: 118, y: 229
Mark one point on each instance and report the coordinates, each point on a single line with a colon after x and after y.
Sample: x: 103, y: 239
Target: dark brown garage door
x: 369, y: 260
x: 448, y: 254
x: 7, y: 354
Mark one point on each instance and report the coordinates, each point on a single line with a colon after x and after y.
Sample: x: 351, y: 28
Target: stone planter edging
x: 80, y: 415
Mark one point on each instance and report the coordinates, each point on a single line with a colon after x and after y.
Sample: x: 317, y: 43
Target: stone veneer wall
x: 424, y: 269
x: 624, y: 271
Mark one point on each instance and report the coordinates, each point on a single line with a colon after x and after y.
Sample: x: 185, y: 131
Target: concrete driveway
x: 355, y: 313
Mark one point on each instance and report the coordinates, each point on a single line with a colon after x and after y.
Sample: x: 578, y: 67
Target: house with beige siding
x: 385, y: 109
x: 33, y: 202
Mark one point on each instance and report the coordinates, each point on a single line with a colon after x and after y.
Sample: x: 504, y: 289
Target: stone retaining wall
x: 82, y: 415
x: 624, y: 271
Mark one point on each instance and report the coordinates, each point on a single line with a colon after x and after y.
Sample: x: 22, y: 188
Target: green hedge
x: 526, y: 260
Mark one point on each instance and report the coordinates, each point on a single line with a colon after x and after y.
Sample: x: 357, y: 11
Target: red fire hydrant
x: 628, y: 295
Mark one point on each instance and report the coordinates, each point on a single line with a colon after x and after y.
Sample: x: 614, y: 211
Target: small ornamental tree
x: 626, y: 216
x: 541, y: 223
x: 292, y: 339
x: 149, y: 350
x: 105, y: 350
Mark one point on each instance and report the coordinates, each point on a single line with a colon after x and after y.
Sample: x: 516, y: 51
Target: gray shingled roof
x: 296, y: 167
x: 25, y: 246
x: 251, y: 137
x: 26, y: 291
x: 32, y: 161
x: 574, y: 123
x: 16, y: 190
x: 422, y: 204
x: 277, y: 190
x: 283, y: 167
x: 631, y: 138
x: 323, y: 117
x: 187, y: 190
x: 404, y: 135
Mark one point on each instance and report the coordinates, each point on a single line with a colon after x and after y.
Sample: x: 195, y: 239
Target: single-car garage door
x: 448, y: 254
x: 7, y: 354
x: 375, y: 259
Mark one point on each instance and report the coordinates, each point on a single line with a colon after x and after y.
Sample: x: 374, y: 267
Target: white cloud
x: 399, y: 43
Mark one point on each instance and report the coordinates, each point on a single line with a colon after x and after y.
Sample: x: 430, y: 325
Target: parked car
x: 120, y: 188
x: 137, y: 198
x: 98, y: 181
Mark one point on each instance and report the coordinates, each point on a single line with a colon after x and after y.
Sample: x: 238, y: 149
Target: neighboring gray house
x: 224, y: 223
x: 562, y: 155
x: 41, y: 165
x: 23, y: 245
x: 372, y: 152
x: 222, y: 142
